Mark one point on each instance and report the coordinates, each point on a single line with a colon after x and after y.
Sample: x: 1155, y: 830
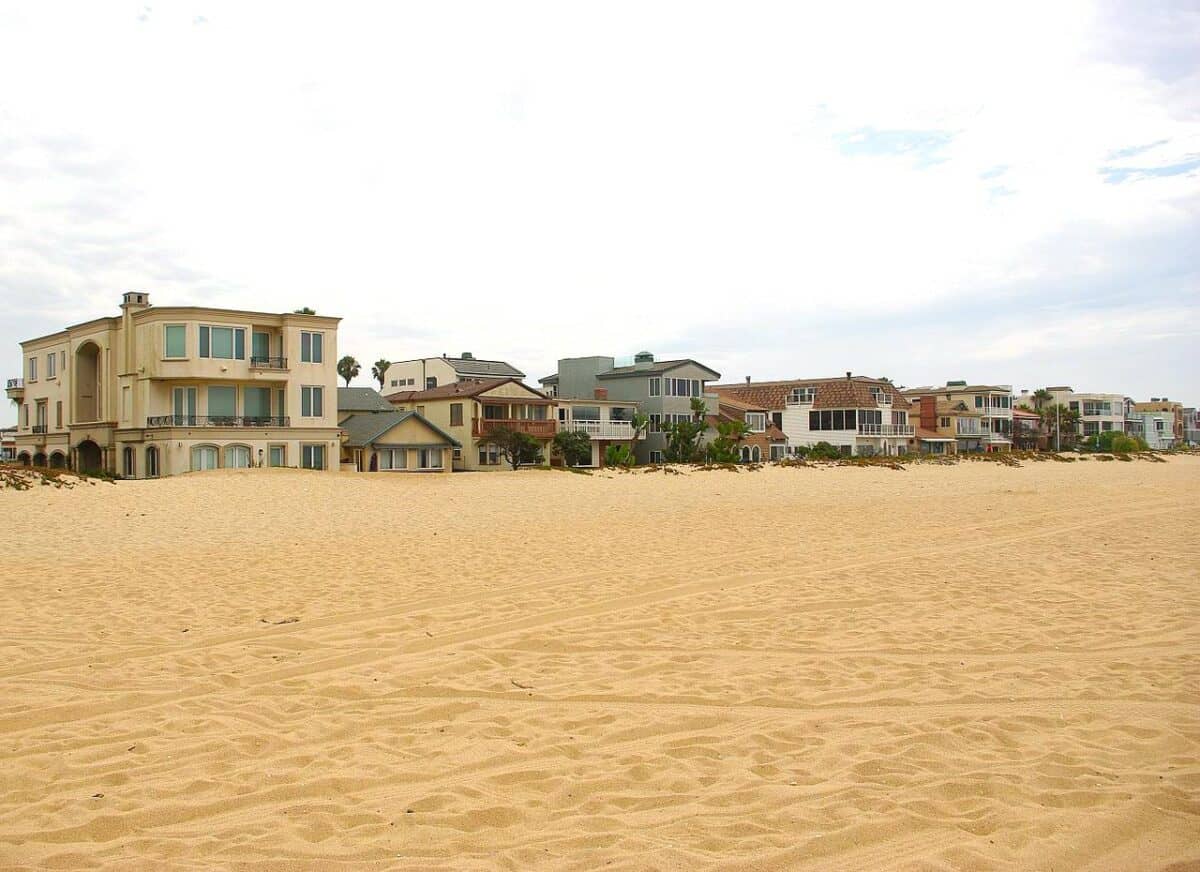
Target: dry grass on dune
x: 969, y: 667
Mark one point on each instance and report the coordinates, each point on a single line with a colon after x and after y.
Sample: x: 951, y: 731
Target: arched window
x: 756, y: 454
x: 237, y: 457
x: 204, y: 457
x: 127, y: 462
x: 152, y: 462
x: 745, y: 454
x: 58, y: 460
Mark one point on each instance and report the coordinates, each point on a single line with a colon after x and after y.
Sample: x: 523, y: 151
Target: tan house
x: 395, y: 441
x: 940, y: 424
x: 994, y: 403
x: 468, y: 410
x: 160, y: 391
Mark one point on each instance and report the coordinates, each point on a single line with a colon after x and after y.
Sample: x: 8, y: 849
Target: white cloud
x: 535, y: 180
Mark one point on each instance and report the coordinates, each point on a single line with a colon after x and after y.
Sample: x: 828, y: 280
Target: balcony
x: 602, y: 429
x: 276, y: 363
x: 15, y: 388
x: 539, y: 429
x: 216, y: 421
x: 40, y: 429
x: 884, y: 430
x: 969, y: 431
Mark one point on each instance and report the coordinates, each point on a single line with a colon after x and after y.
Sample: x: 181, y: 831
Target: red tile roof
x: 832, y: 393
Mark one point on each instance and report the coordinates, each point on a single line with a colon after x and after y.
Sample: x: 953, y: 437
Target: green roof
x: 363, y: 428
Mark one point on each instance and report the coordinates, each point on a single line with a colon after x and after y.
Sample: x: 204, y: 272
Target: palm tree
x: 348, y: 368
x: 379, y: 371
x: 1040, y: 397
x: 639, y: 423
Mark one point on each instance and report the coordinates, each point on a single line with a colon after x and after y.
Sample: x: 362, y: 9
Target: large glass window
x: 224, y: 343
x: 312, y: 347
x: 256, y: 402
x: 393, y: 458
x: 586, y: 413
x: 312, y: 456
x: 429, y: 458
x: 827, y: 420
x: 175, y: 340
x: 204, y: 457
x: 222, y: 401
x: 237, y: 457
x: 756, y: 421
x: 260, y: 346
x: 312, y: 401
x: 184, y: 406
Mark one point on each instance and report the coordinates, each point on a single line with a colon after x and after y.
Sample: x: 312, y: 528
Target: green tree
x: 379, y: 371
x: 305, y: 311
x: 573, y: 446
x: 727, y: 446
x: 619, y: 455
x: 348, y: 368
x: 516, y: 446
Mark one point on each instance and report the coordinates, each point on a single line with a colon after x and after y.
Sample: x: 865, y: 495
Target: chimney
x: 600, y: 394
x: 848, y: 378
x: 747, y: 380
x: 929, y: 412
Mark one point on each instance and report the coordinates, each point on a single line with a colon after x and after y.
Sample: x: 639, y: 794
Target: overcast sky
x: 997, y: 192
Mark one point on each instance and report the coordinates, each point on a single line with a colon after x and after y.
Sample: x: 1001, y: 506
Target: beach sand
x: 966, y: 667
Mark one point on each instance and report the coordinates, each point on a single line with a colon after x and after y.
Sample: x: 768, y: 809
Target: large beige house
x: 159, y: 391
x: 467, y: 411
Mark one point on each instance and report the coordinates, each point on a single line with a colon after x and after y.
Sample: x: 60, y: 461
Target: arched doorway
x: 58, y: 460
x: 756, y: 454
x: 152, y: 462
x: 39, y: 459
x: 128, y: 467
x: 90, y: 457
x: 745, y: 454
x: 87, y: 384
x: 23, y: 458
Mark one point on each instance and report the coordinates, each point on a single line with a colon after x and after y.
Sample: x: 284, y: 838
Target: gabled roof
x: 361, y: 400
x: 363, y: 428
x: 465, y: 388
x: 855, y: 392
x: 551, y: 379
x: 658, y: 366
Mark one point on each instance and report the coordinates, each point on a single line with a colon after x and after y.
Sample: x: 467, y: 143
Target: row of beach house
x: 158, y: 391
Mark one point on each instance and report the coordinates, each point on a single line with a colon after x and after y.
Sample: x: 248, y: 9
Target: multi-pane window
x: 655, y: 386
x: 223, y: 343
x: 978, y: 401
x: 312, y: 347
x: 843, y: 419
x: 237, y: 457
x: 312, y: 456
x: 803, y: 395
x: 393, y: 458
x: 32, y: 369
x: 429, y: 458
x: 312, y: 401
x: 489, y: 455
x: 655, y: 425
x: 656, y: 457
x: 175, y: 340
x: 681, y: 387
x: 456, y: 414
x: 51, y: 365
x: 943, y: 422
x: 756, y: 421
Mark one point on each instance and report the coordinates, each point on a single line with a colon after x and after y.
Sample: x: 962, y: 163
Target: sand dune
x: 969, y: 667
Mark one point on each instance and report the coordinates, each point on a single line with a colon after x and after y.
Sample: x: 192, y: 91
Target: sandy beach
x: 964, y: 667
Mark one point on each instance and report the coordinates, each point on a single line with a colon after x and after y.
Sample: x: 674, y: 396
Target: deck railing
x: 268, y: 362
x: 14, y: 383
x: 602, y: 429
x: 216, y: 421
x: 542, y: 429
x: 884, y: 430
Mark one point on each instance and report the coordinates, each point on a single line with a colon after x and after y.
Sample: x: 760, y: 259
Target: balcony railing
x: 542, y: 429
x: 216, y: 421
x: 884, y: 430
x: 39, y: 428
x: 969, y: 431
x: 268, y: 363
x: 602, y: 429
x: 14, y: 384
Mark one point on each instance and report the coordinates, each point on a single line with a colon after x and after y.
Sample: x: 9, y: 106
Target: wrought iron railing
x: 14, y: 383
x: 39, y: 428
x: 268, y: 362
x: 216, y: 421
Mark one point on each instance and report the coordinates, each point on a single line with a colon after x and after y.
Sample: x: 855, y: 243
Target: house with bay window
x: 861, y: 416
x: 662, y: 390
x: 466, y: 411
x: 163, y: 390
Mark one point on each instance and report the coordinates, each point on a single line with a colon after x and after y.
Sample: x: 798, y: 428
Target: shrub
x: 619, y: 455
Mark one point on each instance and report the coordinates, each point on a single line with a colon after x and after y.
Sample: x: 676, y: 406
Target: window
x: 260, y: 347
x: 978, y: 401
x: 656, y: 457
x: 58, y: 415
x: 33, y: 369
x: 489, y: 455
x: 839, y: 419
x: 803, y: 395
x: 456, y: 414
x: 237, y: 457
x: 127, y: 462
x: 312, y: 401
x: 312, y: 347
x: 1091, y: 428
x: 152, y: 462
x: 429, y: 458
x: 175, y: 340
x: 586, y: 413
x: 656, y: 386
x: 457, y: 454
x: 312, y: 456
x: 655, y: 425
x: 393, y: 458
x: 51, y: 364
x: 256, y: 403
x: 204, y: 457
x: 184, y: 406
x: 943, y: 422
x: 278, y: 454
x: 223, y: 343
x: 222, y: 402
x: 126, y: 403
x: 395, y: 382
x: 430, y: 382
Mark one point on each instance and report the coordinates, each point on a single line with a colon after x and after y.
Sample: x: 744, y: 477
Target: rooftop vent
x: 642, y: 360
x: 466, y: 355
